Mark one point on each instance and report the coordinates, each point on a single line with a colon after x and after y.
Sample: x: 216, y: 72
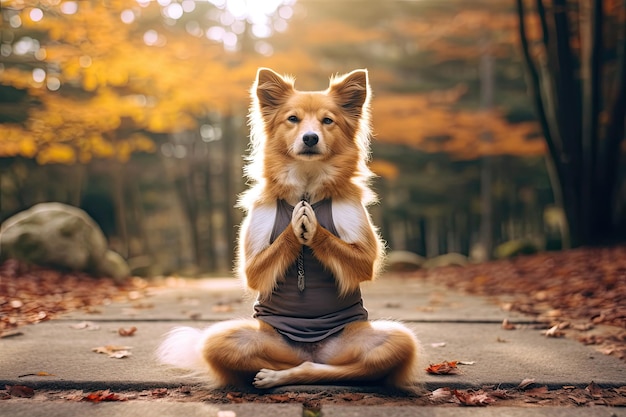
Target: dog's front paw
x: 267, y: 378
x: 304, y: 222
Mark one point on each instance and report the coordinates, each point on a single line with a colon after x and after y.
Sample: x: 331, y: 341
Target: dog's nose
x: 310, y: 139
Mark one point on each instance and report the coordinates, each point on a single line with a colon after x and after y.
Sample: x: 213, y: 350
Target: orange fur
x: 313, y: 144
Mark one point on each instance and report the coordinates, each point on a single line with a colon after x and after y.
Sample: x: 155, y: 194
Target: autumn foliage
x: 105, y: 79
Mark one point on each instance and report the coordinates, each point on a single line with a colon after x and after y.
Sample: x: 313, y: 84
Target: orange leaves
x: 104, y: 395
x: 473, y: 398
x: 114, y: 351
x: 443, y: 368
x: 127, y: 332
x: 419, y: 121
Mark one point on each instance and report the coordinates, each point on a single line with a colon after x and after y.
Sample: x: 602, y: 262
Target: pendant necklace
x: 301, y: 285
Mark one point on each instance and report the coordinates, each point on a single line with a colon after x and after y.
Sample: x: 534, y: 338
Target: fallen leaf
x: 115, y: 352
x: 443, y: 368
x: 470, y: 398
x: 466, y: 362
x: 99, y: 396
x: 352, y: 396
x: 21, y: 391
x: 507, y: 325
x: 554, y: 331
x: 159, y: 392
x: 86, y: 325
x: 438, y: 344
x: 235, y: 397
x: 525, y: 383
x: 578, y: 400
x: 127, y: 332
x: 36, y: 374
x: 501, y: 394
x: 441, y: 394
x: 120, y: 354
x: 594, y: 389
x: 279, y: 398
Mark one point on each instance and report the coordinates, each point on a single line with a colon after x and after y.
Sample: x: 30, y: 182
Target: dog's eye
x: 293, y: 119
x: 327, y: 120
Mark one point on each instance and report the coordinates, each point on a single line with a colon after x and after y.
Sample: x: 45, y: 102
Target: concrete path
x: 450, y: 325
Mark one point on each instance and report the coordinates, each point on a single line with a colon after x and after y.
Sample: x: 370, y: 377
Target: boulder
x: 447, y: 259
x: 403, y: 261
x: 60, y: 236
x: 516, y: 247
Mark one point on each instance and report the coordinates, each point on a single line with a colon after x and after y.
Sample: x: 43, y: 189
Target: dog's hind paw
x: 267, y: 378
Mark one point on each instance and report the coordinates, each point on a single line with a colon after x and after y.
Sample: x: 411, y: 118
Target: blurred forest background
x: 494, y: 120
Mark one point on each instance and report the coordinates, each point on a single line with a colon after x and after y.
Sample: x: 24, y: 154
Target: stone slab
x: 500, y: 357
x: 222, y: 298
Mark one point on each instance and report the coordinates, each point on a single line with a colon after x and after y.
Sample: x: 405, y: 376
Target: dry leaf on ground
x: 30, y: 294
x: 507, y: 325
x: 85, y: 325
x: 554, y: 331
x: 115, y: 352
x: 443, y: 368
x: 127, y: 332
x: 441, y: 394
x: 99, y: 396
x: 36, y: 374
x: 526, y: 382
x: 584, y: 286
x: 473, y: 398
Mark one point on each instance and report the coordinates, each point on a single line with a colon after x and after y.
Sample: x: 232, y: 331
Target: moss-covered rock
x: 60, y: 236
x: 447, y: 259
x: 403, y: 261
x: 516, y: 247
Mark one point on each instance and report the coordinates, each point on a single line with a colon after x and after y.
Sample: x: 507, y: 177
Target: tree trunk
x: 119, y: 185
x: 585, y: 152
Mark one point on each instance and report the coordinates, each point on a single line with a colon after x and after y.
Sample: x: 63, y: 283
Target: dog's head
x: 316, y: 125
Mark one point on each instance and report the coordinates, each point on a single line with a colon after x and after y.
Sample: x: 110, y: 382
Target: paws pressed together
x: 305, y: 246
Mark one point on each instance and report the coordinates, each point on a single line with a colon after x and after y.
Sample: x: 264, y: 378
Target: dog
x: 305, y: 245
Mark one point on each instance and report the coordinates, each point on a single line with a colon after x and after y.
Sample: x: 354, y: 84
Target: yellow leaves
x: 14, y: 140
x: 27, y: 147
x: 57, y: 153
x: 99, y: 147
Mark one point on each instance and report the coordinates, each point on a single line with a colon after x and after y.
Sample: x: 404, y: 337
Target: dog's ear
x: 351, y: 91
x: 271, y: 89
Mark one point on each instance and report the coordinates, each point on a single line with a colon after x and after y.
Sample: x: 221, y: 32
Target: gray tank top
x: 316, y: 312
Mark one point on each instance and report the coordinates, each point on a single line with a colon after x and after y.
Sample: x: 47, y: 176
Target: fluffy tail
x: 182, y: 348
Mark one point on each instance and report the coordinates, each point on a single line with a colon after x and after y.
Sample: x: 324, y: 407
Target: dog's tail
x: 182, y: 348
